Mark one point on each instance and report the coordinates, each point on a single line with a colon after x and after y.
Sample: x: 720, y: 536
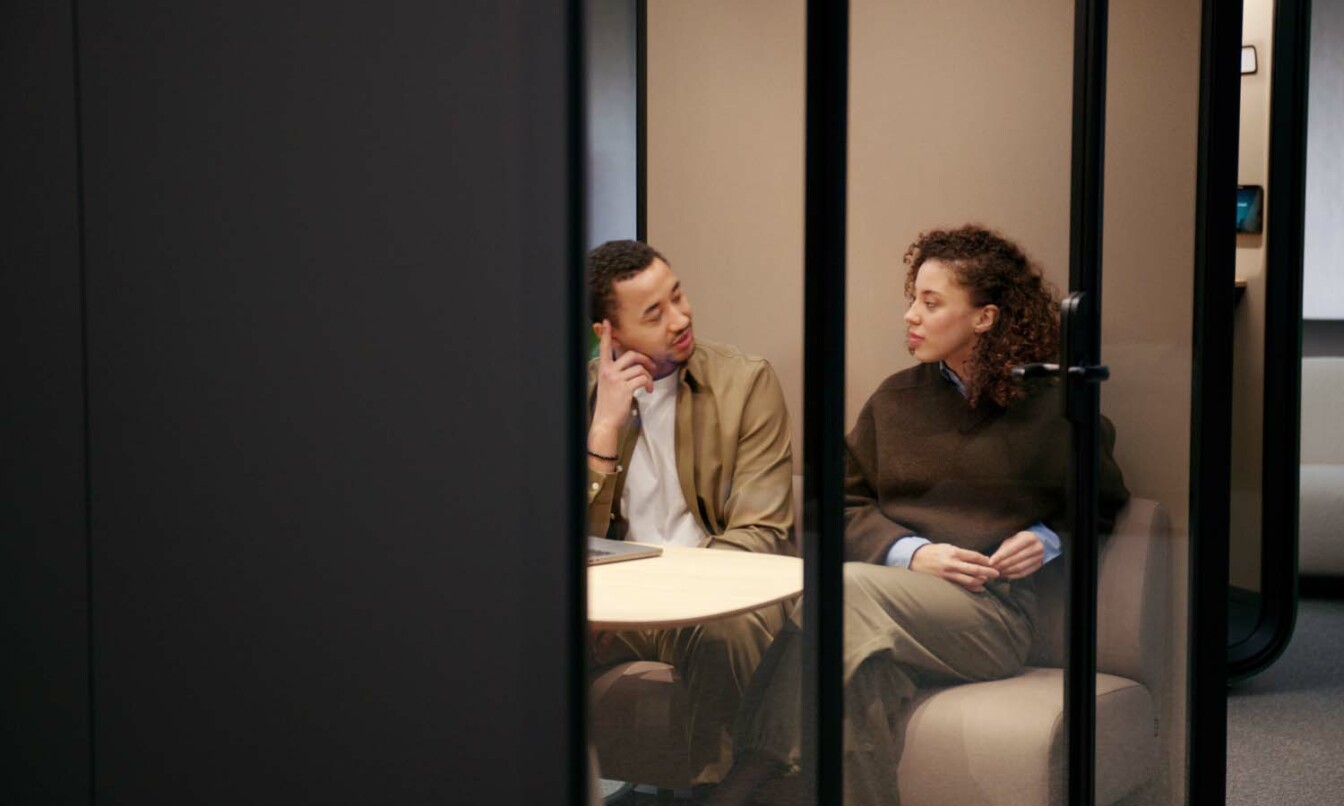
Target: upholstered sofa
x: 1000, y: 742
x: 1321, y: 513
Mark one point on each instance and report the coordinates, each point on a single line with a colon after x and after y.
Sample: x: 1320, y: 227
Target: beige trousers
x: 715, y: 660
x: 903, y: 630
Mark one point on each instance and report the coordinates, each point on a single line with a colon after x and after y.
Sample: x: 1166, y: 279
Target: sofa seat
x: 1002, y: 743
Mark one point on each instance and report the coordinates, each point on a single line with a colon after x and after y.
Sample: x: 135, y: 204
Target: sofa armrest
x: 1133, y: 597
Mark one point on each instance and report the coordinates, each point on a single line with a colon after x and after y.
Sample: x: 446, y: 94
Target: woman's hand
x: 969, y: 569
x: 1019, y: 556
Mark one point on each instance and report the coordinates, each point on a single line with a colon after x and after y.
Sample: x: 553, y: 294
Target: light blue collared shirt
x: 903, y: 550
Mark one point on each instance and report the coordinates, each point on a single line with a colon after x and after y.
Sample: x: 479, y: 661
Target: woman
x: 954, y: 498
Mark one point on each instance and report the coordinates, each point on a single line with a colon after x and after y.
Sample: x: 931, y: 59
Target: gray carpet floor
x: 1285, y: 727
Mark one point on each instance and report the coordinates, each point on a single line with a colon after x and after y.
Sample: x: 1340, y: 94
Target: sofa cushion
x: 1002, y: 742
x: 1321, y: 520
x: 1322, y: 389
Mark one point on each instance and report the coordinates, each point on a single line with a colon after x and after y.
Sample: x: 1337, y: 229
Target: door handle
x: 1095, y: 373
x: 1077, y: 371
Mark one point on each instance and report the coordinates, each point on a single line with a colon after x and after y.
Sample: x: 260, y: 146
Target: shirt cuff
x: 898, y: 556
x: 1049, y: 540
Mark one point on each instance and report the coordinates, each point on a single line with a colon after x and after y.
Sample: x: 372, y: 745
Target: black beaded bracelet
x: 596, y: 455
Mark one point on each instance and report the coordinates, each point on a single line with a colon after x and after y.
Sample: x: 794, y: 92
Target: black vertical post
x: 576, y: 404
x: 45, y: 708
x: 1211, y: 406
x: 824, y: 388
x: 1083, y: 339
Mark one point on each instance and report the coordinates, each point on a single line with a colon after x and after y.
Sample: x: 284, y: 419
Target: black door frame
x: 1281, y: 432
x: 1211, y: 401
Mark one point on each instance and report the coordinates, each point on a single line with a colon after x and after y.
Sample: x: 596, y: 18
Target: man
x: 688, y: 445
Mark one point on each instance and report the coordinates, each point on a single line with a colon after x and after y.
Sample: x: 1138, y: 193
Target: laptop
x: 602, y: 550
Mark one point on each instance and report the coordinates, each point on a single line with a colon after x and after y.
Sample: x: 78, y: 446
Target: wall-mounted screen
x: 1250, y: 204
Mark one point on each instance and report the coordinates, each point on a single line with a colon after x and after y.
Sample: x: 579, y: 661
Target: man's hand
x: 1019, y: 556
x: 969, y: 569
x: 617, y: 380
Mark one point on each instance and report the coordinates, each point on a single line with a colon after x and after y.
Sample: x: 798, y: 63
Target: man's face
x: 651, y: 315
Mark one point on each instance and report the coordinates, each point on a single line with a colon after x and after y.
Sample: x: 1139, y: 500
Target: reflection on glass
x: 1248, y: 372
x: 695, y: 384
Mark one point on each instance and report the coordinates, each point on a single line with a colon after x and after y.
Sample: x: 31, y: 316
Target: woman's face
x: 942, y: 324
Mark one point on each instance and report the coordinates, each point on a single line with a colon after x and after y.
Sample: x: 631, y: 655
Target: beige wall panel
x: 726, y: 100
x: 960, y: 111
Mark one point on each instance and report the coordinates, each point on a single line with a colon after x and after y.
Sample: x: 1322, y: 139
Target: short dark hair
x: 995, y: 271
x: 610, y: 263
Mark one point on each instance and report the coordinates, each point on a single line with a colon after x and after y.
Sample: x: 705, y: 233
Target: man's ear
x: 986, y: 319
x: 615, y: 342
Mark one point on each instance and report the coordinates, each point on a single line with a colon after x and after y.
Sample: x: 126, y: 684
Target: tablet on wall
x: 1250, y: 204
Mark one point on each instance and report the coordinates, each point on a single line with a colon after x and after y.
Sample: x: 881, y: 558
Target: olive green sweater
x: 922, y: 462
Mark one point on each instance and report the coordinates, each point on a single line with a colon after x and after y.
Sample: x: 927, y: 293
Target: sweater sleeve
x: 1112, y: 494
x: 869, y: 534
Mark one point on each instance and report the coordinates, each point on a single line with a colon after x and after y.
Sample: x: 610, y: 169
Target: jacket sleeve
x: 869, y: 534
x: 601, y: 488
x: 601, y: 492
x: 758, y: 512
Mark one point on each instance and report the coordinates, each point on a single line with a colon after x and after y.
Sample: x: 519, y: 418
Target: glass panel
x: 1148, y: 304
x: 711, y: 464
x: 961, y: 117
x: 1248, y: 376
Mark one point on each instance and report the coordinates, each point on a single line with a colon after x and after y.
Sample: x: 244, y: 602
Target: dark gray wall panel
x: 327, y: 249
x: 44, y: 687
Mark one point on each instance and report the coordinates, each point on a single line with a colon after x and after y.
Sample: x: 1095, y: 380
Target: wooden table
x: 687, y: 586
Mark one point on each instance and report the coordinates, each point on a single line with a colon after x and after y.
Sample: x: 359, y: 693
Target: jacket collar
x: 693, y: 372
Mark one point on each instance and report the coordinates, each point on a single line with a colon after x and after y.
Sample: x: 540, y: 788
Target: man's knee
x: 745, y: 630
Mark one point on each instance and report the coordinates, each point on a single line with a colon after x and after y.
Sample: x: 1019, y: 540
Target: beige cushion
x: 638, y: 724
x: 1322, y: 394
x: 1002, y: 742
x: 1321, y: 513
x: 1320, y: 542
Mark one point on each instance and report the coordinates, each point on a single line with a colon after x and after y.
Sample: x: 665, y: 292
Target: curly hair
x: 610, y: 263
x: 995, y: 271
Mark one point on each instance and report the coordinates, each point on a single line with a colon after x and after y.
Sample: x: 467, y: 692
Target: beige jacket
x: 734, y: 461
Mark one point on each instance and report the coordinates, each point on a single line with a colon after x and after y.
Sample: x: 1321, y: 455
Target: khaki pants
x: 716, y: 661
x: 902, y: 630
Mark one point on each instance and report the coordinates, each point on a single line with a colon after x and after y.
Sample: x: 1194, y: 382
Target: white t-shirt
x: 652, y: 500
